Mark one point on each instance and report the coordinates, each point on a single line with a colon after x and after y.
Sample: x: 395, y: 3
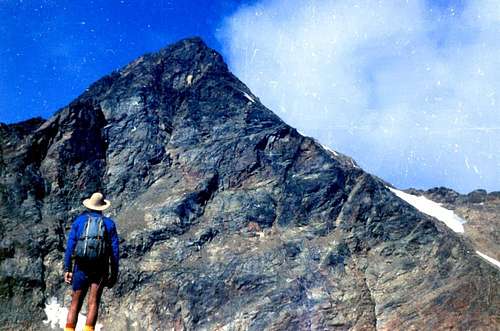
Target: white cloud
x: 409, y: 90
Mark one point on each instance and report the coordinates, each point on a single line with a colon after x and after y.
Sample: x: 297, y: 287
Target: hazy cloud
x: 407, y: 88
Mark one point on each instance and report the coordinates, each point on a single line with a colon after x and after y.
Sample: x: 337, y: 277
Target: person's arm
x: 70, y: 247
x: 115, y: 253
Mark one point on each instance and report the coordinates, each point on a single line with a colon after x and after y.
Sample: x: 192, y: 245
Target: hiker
x: 93, y: 240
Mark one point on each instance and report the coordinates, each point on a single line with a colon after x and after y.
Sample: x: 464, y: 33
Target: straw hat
x: 96, y: 202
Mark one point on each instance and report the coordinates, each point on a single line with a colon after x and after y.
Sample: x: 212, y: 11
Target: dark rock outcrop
x: 229, y: 218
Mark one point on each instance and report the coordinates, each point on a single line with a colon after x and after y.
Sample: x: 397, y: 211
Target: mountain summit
x: 230, y: 219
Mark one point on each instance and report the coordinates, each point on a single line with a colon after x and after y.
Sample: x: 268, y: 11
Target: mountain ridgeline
x: 229, y: 218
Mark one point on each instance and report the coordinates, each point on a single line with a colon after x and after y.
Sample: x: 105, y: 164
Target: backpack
x: 91, y: 246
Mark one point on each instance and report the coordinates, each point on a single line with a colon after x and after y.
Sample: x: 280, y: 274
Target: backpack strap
x: 87, y: 226
x: 100, y: 226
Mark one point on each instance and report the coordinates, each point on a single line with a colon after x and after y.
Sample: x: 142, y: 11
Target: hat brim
x: 89, y: 205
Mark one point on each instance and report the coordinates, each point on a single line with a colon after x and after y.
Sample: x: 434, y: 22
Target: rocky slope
x: 229, y: 218
x: 480, y: 210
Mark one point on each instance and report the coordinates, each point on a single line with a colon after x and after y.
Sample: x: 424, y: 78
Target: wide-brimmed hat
x: 96, y: 202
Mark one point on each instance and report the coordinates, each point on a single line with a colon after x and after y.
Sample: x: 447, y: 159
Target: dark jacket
x: 77, y: 229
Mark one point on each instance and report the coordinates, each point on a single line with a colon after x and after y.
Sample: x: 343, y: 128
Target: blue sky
x: 407, y: 88
x: 52, y: 50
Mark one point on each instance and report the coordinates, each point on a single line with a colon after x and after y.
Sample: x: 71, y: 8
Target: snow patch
x: 446, y: 216
x: 248, y: 96
x: 329, y: 149
x: 433, y: 209
x: 189, y: 80
x: 57, y: 314
x: 489, y: 259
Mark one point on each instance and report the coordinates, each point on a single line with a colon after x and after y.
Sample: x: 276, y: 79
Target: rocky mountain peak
x: 171, y: 70
x: 229, y: 218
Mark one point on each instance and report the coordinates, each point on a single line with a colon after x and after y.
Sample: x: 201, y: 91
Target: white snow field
x: 56, y: 316
x: 329, y: 149
x: 489, y: 259
x: 446, y: 216
x: 433, y: 209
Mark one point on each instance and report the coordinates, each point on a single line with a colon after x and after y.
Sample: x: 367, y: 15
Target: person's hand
x: 68, y: 277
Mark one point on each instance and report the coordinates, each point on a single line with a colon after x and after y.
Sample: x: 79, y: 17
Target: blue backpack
x: 91, y: 247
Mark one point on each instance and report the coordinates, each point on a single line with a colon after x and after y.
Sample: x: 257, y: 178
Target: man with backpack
x: 93, y: 242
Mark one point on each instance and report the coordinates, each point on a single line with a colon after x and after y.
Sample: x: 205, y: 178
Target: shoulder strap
x: 86, y: 226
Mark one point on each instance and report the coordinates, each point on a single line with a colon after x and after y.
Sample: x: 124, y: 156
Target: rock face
x: 229, y: 218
